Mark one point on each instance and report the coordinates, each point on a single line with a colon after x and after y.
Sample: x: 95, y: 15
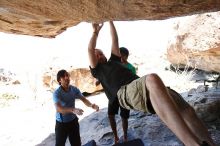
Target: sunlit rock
x: 196, y: 42
x: 80, y: 77
x: 48, y: 18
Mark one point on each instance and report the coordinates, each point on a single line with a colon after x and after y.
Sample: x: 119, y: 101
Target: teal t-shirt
x: 66, y: 99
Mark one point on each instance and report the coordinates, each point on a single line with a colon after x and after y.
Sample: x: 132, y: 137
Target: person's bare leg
x: 125, y: 128
x: 114, y: 127
x: 196, y: 125
x: 167, y: 111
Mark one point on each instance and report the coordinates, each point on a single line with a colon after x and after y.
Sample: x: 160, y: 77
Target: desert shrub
x: 181, y: 77
x: 7, y: 98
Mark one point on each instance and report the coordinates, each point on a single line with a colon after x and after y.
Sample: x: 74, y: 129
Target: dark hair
x: 61, y: 73
x: 124, y: 51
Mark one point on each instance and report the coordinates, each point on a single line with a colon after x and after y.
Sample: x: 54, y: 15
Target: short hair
x: 124, y: 51
x: 61, y: 73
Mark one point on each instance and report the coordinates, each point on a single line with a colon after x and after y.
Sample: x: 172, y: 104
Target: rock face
x: 48, y: 18
x: 197, y: 42
x: 80, y: 77
x: 149, y: 127
x: 205, y: 103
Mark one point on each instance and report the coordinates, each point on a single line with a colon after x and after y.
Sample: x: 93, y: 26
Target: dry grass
x: 179, y: 80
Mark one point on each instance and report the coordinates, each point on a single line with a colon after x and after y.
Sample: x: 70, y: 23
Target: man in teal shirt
x: 66, y: 113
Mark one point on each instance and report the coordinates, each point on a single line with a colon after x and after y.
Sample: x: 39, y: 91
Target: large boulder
x: 149, y: 128
x: 79, y: 77
x: 196, y: 42
x: 48, y: 18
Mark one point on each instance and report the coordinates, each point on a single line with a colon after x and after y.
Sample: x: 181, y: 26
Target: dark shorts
x: 113, y: 108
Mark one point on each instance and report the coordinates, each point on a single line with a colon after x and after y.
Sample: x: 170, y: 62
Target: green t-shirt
x: 130, y: 67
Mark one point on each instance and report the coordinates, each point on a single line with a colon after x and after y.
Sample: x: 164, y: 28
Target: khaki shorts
x: 135, y: 96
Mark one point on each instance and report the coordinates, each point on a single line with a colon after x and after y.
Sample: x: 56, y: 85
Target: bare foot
x: 125, y: 139
x: 116, y: 140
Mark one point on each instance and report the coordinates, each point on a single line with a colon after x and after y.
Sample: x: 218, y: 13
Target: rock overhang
x: 49, y: 18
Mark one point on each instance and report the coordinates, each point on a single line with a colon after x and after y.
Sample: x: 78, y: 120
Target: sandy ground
x: 27, y: 122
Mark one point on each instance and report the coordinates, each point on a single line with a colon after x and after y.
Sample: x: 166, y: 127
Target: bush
x: 7, y: 98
